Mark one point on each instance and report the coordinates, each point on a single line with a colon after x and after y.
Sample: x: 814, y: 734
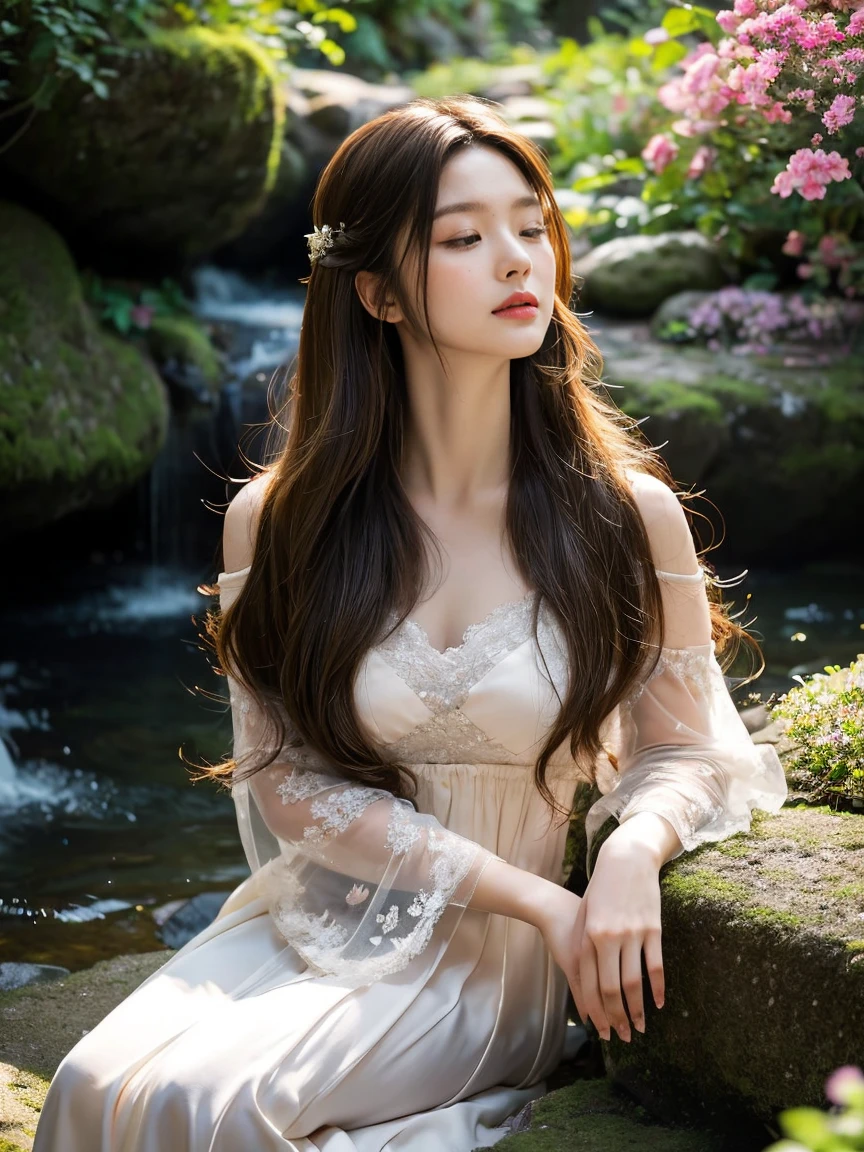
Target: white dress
x: 346, y: 999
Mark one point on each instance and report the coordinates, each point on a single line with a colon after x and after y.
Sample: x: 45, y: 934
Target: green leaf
x: 680, y: 21
x: 667, y: 54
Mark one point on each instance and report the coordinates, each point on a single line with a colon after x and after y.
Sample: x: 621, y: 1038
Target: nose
x: 515, y: 260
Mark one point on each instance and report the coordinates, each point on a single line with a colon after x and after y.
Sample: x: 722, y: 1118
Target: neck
x: 457, y: 434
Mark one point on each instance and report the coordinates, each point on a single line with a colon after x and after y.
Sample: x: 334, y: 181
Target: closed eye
x: 466, y: 241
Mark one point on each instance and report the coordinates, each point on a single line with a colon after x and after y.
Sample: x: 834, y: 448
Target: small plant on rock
x: 824, y: 720
x: 841, y: 1130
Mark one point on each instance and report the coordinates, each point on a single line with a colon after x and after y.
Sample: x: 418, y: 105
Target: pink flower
x: 141, y: 315
x: 703, y: 158
x: 859, y: 152
x: 805, y: 271
x: 794, y: 245
x: 728, y: 21
x: 809, y: 172
x: 656, y: 36
x: 816, y: 139
x: 855, y: 27
x: 357, y: 895
x: 846, y: 1086
x: 840, y: 113
x: 659, y: 152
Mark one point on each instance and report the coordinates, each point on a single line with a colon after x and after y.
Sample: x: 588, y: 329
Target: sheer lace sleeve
x: 683, y: 751
x: 355, y: 878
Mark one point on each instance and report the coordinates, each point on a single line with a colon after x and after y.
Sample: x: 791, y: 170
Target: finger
x: 654, y: 965
x: 609, y: 966
x: 574, y: 978
x: 631, y: 981
x: 588, y: 975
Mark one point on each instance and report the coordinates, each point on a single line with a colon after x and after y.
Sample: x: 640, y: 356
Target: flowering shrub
x: 754, y: 321
x: 810, y: 1130
x: 824, y: 719
x: 785, y: 75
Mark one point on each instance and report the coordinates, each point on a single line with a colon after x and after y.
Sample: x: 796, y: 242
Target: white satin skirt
x: 234, y: 1045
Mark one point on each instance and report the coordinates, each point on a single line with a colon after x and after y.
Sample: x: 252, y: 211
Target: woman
x: 462, y: 588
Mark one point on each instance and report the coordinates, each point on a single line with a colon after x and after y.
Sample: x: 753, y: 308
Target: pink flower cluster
x: 809, y: 171
x: 776, y: 55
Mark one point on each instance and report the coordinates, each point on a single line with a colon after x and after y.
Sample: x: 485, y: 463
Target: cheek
x: 453, y: 288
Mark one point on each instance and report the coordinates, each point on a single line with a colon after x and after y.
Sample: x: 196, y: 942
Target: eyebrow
x: 479, y: 206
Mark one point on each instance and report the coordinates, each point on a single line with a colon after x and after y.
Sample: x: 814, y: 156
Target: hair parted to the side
x: 338, y: 544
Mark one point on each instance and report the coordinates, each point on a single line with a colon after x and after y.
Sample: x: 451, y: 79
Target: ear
x: 368, y: 287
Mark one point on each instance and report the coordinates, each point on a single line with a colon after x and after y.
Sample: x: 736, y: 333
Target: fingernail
x: 640, y: 1024
x: 624, y: 1034
x: 605, y: 1034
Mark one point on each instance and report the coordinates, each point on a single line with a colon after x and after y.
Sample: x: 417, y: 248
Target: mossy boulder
x: 592, y: 1116
x: 764, y: 974
x: 778, y: 449
x: 40, y: 1023
x: 175, y: 162
x: 633, y: 275
x: 187, y: 359
x: 82, y: 413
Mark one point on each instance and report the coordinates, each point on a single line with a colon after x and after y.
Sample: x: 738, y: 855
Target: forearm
x: 511, y: 891
x: 648, y: 833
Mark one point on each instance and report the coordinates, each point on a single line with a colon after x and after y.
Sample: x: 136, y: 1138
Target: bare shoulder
x: 666, y: 524
x: 241, y: 523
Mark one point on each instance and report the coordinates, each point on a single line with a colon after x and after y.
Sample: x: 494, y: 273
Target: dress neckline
x: 471, y: 631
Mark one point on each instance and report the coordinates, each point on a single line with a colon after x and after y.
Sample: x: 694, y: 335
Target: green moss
x: 83, y: 413
x: 174, y: 163
x: 181, y: 338
x: 855, y: 945
x: 590, y: 1115
x: 854, y: 890
x: 704, y: 884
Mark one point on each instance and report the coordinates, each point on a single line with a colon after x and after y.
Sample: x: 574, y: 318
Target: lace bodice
x: 357, y: 879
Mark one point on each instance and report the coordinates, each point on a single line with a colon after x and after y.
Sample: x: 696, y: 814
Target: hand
x: 557, y: 918
x: 618, y: 918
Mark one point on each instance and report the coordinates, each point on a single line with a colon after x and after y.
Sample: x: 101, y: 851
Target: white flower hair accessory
x: 320, y: 240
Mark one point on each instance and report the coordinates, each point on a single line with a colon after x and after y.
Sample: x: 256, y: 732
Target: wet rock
x: 17, y: 974
x: 190, y: 918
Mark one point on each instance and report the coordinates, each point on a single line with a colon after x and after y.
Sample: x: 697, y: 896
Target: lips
x: 517, y: 298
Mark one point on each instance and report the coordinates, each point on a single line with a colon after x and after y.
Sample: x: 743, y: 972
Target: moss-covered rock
x: 633, y: 275
x: 764, y: 973
x: 40, y: 1023
x: 186, y: 356
x: 82, y: 414
x: 175, y: 162
x: 778, y: 449
x: 591, y: 1116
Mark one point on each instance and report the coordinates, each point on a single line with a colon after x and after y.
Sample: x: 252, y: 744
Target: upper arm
x: 241, y: 525
x: 672, y: 547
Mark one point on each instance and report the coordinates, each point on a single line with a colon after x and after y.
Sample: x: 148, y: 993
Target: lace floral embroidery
x: 338, y: 810
x: 402, y: 832
x: 302, y: 785
x: 693, y: 666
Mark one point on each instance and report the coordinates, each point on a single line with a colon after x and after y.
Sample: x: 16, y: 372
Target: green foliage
x: 46, y: 42
x: 824, y: 719
x: 392, y: 35
x: 128, y: 308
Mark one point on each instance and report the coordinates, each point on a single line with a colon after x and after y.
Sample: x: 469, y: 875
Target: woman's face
x: 488, y: 241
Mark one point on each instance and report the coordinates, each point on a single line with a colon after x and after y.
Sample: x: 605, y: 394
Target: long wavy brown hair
x: 338, y: 544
